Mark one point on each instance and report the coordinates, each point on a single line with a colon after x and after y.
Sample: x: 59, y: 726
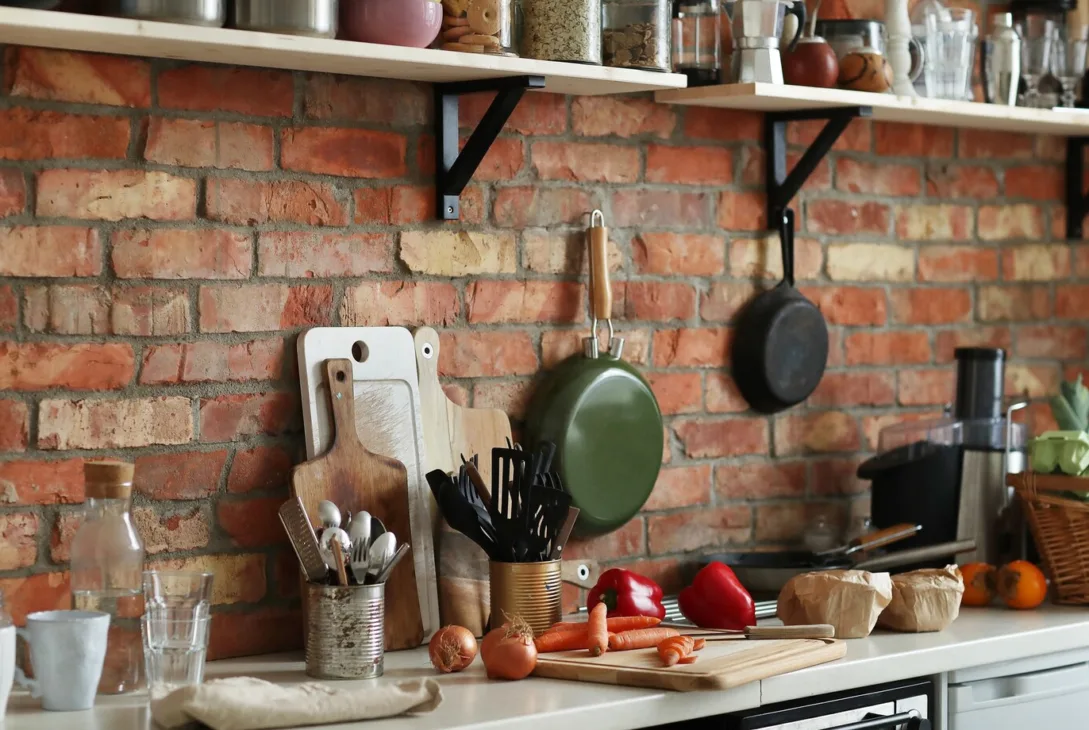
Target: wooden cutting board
x: 450, y: 431
x: 387, y: 422
x: 353, y: 478
x: 721, y: 665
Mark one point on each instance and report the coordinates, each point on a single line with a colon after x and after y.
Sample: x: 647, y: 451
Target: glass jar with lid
x: 478, y: 26
x: 636, y: 34
x: 107, y: 571
x: 562, y: 30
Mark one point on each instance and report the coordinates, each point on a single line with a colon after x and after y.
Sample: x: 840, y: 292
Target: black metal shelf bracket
x: 1077, y: 199
x: 454, y: 169
x: 782, y: 187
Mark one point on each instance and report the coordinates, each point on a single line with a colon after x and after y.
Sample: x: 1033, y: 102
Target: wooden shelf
x: 886, y: 107
x: 70, y: 31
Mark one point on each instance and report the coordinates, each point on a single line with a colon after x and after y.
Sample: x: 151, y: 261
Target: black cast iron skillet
x: 781, y: 340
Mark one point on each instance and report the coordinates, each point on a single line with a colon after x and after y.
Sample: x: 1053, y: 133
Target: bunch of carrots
x: 622, y: 633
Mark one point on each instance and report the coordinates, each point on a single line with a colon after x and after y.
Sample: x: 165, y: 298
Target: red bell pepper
x: 626, y: 593
x: 717, y: 600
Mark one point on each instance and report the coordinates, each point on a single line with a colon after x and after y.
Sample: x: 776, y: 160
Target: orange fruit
x: 979, y: 586
x: 1021, y: 585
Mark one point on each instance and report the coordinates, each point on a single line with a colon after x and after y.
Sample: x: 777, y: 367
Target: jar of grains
x: 477, y: 26
x: 562, y: 30
x: 636, y: 34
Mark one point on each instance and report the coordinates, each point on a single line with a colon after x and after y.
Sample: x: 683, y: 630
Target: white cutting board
x: 387, y: 416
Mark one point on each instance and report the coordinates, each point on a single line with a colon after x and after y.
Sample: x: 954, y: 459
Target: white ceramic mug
x: 68, y: 649
x: 7, y: 666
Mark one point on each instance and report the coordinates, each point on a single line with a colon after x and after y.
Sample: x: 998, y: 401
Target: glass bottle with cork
x: 107, y: 571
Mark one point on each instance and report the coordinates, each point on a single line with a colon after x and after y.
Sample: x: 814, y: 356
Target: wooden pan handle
x: 887, y: 536
x: 601, y: 291
x: 811, y: 631
x: 338, y: 375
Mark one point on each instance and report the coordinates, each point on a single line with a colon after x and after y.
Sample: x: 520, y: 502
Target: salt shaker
x: 1001, y: 57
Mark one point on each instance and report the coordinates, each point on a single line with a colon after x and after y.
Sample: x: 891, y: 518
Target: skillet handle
x: 786, y: 241
x: 601, y: 292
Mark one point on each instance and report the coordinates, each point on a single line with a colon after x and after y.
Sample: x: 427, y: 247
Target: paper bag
x: 924, y: 600
x: 850, y: 600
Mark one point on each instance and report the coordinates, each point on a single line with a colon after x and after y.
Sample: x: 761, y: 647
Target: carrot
x: 688, y: 660
x: 551, y: 641
x: 597, y: 637
x: 640, y: 638
x: 699, y: 644
x: 616, y: 624
x: 674, y: 649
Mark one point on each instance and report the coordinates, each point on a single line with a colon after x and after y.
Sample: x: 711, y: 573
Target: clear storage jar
x: 636, y: 34
x: 562, y: 30
x: 478, y: 26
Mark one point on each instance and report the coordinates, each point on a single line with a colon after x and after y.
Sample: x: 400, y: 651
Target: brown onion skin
x: 508, y: 654
x: 452, y: 649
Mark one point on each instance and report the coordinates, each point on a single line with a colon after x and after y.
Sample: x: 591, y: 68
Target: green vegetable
x: 1045, y: 455
x: 1066, y: 452
x: 1071, y: 406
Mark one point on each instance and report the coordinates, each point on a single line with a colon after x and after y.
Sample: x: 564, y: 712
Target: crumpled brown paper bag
x: 924, y: 600
x: 850, y: 600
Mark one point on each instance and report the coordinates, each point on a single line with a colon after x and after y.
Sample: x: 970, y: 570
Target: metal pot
x: 314, y: 18
x: 210, y: 13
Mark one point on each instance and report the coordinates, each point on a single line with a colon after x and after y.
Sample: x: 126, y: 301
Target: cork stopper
x: 108, y: 479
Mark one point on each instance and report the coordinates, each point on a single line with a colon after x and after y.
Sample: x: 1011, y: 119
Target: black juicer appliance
x: 948, y: 474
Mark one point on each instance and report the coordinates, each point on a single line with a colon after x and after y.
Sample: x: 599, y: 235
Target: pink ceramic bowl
x: 412, y: 23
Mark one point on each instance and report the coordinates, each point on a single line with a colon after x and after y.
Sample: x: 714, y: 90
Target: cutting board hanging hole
x: 427, y: 351
x: 360, y: 351
x: 340, y: 376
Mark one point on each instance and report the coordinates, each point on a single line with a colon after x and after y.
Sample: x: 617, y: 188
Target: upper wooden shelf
x: 76, y: 32
x: 886, y: 107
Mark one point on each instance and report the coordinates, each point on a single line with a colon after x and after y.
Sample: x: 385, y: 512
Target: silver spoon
x: 381, y: 552
x: 328, y: 513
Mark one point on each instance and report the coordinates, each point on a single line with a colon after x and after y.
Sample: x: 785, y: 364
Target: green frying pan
x: 602, y: 416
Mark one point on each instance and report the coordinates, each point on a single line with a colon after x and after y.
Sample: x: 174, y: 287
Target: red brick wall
x: 169, y: 230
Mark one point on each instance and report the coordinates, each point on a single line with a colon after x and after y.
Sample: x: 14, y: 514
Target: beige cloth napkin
x: 246, y: 703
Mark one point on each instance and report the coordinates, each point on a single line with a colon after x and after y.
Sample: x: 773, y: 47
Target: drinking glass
x: 1037, y: 42
x: 177, y: 594
x: 1068, y: 61
x: 174, y: 651
x: 950, y: 45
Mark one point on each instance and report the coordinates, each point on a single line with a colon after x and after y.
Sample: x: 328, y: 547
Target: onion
x: 508, y: 652
x: 452, y: 648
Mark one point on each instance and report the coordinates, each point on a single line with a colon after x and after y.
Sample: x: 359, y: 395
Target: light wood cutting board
x: 721, y: 664
x: 387, y: 421
x: 353, y: 478
x: 450, y: 431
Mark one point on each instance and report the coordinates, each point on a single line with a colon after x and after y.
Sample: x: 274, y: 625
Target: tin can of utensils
x: 345, y: 631
x: 532, y: 591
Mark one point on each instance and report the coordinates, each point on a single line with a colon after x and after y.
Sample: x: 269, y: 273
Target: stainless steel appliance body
x: 756, y: 26
x: 315, y: 18
x: 210, y: 13
x: 1002, y: 62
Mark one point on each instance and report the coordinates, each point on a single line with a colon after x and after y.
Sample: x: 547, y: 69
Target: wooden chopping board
x: 353, y: 478
x: 450, y: 431
x: 387, y: 422
x: 721, y: 665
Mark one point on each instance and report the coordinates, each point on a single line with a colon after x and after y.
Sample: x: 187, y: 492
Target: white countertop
x: 977, y: 638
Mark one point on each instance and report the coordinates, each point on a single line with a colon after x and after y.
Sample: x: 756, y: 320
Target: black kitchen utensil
x: 546, y: 509
x: 780, y: 346
x: 461, y: 514
x: 511, y: 477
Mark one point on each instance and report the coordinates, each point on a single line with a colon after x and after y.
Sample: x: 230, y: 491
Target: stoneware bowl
x: 413, y: 23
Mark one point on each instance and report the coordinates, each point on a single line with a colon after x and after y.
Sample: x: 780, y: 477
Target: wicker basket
x: 1060, y: 526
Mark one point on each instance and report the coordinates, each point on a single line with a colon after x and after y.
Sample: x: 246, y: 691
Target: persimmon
x: 1021, y: 585
x: 979, y: 584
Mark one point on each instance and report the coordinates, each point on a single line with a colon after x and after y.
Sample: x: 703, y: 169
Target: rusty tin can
x: 533, y: 591
x: 345, y: 631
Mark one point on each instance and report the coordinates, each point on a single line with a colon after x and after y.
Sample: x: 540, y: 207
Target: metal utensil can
x: 314, y: 18
x: 532, y: 591
x: 345, y: 631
